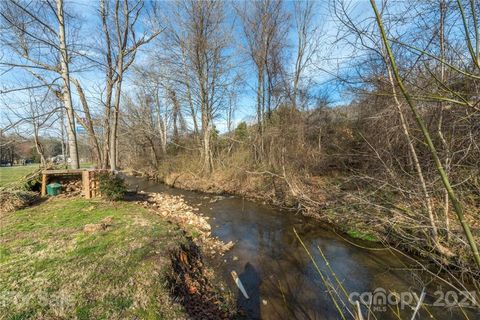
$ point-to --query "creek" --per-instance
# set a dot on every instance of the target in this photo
(281, 280)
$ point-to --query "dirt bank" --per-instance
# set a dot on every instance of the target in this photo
(191, 284)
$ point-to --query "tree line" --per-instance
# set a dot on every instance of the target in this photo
(384, 95)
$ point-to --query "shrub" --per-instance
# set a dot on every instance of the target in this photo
(111, 186)
(241, 132)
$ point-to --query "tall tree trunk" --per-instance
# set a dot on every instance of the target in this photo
(206, 152)
(88, 123)
(298, 67)
(107, 122)
(62, 133)
(109, 86)
(67, 96)
(156, 160)
(39, 146)
(189, 96)
(192, 109)
(260, 108)
(175, 113)
(161, 125)
(106, 138)
(413, 152)
(446, 149)
(116, 112)
(207, 155)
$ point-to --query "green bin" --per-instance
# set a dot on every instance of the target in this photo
(54, 189)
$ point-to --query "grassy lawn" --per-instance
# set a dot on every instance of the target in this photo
(13, 174)
(16, 173)
(51, 268)
(86, 165)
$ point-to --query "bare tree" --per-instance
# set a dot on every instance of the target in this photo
(35, 113)
(67, 95)
(119, 23)
(202, 40)
(308, 44)
(45, 52)
(263, 25)
(426, 134)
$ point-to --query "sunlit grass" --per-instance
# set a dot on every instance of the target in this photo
(51, 268)
(13, 174)
(357, 234)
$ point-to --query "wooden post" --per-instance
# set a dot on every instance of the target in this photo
(86, 184)
(44, 184)
(95, 184)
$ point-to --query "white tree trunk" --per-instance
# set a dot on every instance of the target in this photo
(162, 128)
(67, 96)
(116, 112)
(446, 206)
(207, 154)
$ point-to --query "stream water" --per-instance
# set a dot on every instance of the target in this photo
(281, 280)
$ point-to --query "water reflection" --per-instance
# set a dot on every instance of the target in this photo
(251, 281)
(279, 277)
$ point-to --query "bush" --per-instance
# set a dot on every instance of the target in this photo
(111, 186)
(241, 132)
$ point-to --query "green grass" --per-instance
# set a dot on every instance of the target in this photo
(357, 234)
(50, 268)
(15, 174)
(9, 175)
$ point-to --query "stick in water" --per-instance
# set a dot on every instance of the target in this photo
(239, 284)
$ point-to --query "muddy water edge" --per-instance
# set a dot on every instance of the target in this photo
(282, 281)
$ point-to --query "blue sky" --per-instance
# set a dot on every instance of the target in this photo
(333, 57)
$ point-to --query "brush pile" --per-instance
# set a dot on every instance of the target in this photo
(11, 200)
